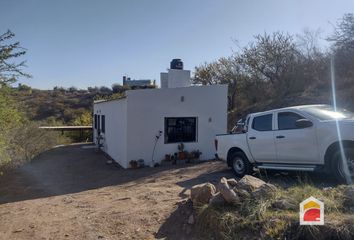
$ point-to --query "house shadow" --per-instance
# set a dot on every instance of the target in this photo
(69, 169)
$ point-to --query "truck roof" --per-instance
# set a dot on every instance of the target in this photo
(299, 107)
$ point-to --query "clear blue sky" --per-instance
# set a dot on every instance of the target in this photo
(93, 43)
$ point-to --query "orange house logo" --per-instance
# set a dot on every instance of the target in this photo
(311, 212)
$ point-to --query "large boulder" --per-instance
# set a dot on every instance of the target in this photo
(250, 183)
(232, 182)
(201, 194)
(264, 191)
(227, 193)
(243, 194)
(217, 199)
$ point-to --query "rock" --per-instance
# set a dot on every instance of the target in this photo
(201, 194)
(242, 193)
(227, 193)
(250, 183)
(264, 191)
(191, 219)
(217, 199)
(232, 182)
(284, 204)
(326, 189)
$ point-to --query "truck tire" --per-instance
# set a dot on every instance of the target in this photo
(343, 171)
(240, 164)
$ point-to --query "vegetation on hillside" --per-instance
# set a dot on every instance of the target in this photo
(279, 69)
(20, 138)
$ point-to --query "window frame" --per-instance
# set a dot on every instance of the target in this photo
(174, 142)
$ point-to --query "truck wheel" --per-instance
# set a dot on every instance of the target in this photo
(343, 170)
(240, 164)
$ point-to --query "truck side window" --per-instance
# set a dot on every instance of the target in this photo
(263, 123)
(287, 120)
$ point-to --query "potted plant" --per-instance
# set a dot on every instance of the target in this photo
(181, 152)
(196, 154)
(133, 164)
(174, 159)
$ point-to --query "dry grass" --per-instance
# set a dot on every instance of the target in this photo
(258, 218)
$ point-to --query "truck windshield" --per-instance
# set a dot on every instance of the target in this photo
(327, 112)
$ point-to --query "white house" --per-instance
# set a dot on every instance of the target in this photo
(148, 124)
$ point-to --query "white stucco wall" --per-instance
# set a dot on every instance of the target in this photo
(179, 78)
(147, 109)
(115, 136)
(164, 80)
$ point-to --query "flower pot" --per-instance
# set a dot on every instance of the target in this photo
(181, 155)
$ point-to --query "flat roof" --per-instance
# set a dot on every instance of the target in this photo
(154, 89)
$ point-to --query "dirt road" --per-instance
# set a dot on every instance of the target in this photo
(71, 193)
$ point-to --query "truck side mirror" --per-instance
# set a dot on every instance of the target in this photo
(303, 123)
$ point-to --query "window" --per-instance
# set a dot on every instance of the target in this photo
(287, 120)
(103, 123)
(98, 123)
(95, 121)
(180, 130)
(263, 123)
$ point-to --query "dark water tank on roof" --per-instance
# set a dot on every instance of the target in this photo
(176, 64)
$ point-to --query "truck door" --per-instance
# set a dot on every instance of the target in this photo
(295, 145)
(261, 138)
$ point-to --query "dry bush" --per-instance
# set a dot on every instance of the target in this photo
(23, 143)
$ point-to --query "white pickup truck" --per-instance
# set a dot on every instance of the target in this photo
(301, 138)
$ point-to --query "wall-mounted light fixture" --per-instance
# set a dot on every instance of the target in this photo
(182, 98)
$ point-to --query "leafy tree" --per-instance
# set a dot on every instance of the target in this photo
(84, 119)
(10, 70)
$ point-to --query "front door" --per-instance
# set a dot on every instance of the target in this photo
(295, 145)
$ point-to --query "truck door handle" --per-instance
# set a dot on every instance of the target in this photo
(280, 137)
(252, 138)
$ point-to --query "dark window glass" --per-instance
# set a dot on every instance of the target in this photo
(263, 123)
(287, 120)
(103, 128)
(98, 123)
(180, 130)
(95, 121)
